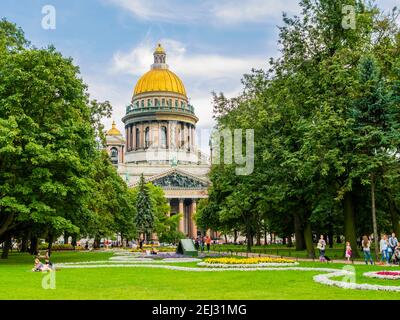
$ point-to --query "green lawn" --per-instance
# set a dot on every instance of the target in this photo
(18, 282)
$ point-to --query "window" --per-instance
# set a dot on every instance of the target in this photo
(176, 103)
(137, 138)
(163, 139)
(147, 137)
(114, 155)
(163, 102)
(170, 103)
(142, 103)
(149, 102)
(156, 102)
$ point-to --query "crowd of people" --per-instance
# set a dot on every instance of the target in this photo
(389, 248)
(201, 243)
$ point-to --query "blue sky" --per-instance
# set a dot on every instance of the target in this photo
(210, 43)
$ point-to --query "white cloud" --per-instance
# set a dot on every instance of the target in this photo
(209, 11)
(239, 11)
(167, 11)
(218, 12)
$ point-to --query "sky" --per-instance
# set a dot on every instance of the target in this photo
(210, 44)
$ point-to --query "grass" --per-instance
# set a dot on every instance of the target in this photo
(18, 282)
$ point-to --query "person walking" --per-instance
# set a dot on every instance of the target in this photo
(392, 245)
(348, 251)
(383, 247)
(197, 243)
(208, 243)
(366, 246)
(321, 246)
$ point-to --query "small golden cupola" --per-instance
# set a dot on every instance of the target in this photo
(114, 131)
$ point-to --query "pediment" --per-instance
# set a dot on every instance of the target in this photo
(178, 180)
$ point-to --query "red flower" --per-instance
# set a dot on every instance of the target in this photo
(389, 273)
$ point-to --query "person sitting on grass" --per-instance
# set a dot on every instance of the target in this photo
(48, 265)
(38, 266)
(154, 251)
(396, 255)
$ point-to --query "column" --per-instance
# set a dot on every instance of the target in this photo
(182, 213)
(177, 135)
(142, 133)
(168, 135)
(185, 136)
(194, 136)
(131, 137)
(127, 138)
(194, 226)
(134, 137)
(169, 207)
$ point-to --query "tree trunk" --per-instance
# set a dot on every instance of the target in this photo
(50, 245)
(338, 239)
(373, 211)
(6, 248)
(299, 236)
(284, 240)
(73, 241)
(249, 237)
(265, 237)
(34, 246)
(258, 238)
(25, 243)
(290, 242)
(96, 243)
(349, 223)
(235, 236)
(308, 240)
(66, 236)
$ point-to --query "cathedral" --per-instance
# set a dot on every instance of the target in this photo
(160, 142)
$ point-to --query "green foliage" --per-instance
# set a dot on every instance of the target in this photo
(325, 116)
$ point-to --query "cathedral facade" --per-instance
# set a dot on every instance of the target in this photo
(159, 142)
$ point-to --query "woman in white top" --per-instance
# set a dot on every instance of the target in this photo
(383, 246)
(321, 246)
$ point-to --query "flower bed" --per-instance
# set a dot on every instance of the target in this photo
(389, 275)
(231, 262)
(255, 260)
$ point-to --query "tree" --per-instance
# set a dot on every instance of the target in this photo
(377, 139)
(49, 156)
(144, 210)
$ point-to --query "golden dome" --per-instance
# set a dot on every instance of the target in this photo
(114, 131)
(160, 80)
(159, 49)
